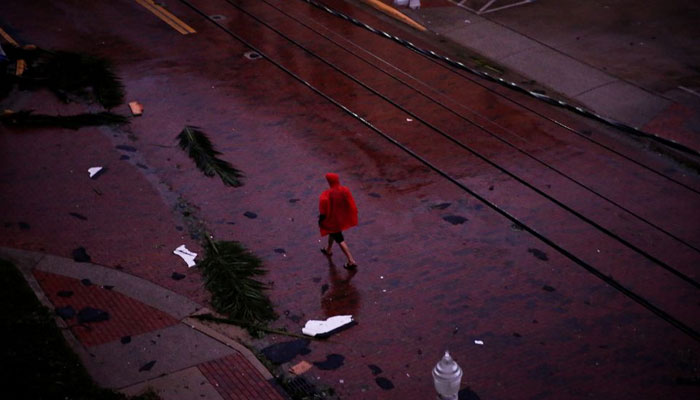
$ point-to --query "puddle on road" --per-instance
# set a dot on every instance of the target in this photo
(341, 297)
(177, 276)
(455, 219)
(384, 383)
(375, 369)
(539, 254)
(440, 206)
(81, 255)
(332, 362)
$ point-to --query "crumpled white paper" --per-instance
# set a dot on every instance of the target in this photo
(186, 255)
(94, 171)
(316, 327)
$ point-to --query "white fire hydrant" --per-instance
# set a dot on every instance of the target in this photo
(447, 376)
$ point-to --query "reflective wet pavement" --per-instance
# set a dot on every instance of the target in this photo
(440, 267)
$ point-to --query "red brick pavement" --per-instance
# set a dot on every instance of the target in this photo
(127, 316)
(235, 379)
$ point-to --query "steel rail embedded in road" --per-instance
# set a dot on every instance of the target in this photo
(610, 281)
(474, 123)
(482, 157)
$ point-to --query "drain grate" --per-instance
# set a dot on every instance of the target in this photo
(299, 387)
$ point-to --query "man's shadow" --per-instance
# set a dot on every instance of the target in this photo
(341, 298)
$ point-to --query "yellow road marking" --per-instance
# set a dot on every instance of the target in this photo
(167, 17)
(8, 38)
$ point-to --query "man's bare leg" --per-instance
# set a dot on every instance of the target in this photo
(346, 250)
(330, 244)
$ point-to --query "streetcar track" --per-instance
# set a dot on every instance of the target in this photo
(474, 152)
(610, 281)
(457, 68)
(484, 128)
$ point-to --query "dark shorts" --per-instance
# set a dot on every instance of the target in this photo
(337, 237)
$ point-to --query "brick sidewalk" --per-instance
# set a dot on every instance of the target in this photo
(140, 346)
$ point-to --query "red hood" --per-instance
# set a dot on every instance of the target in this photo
(333, 179)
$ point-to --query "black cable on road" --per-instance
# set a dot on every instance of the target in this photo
(512, 85)
(610, 281)
(482, 127)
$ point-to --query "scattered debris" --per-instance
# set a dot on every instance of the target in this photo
(332, 361)
(186, 255)
(20, 67)
(125, 339)
(280, 251)
(89, 314)
(136, 108)
(93, 171)
(252, 55)
(375, 195)
(300, 368)
(65, 293)
(200, 149)
(86, 282)
(81, 255)
(548, 288)
(281, 353)
(79, 216)
(125, 147)
(250, 214)
(23, 226)
(328, 327)
(409, 120)
(107, 287)
(479, 342)
(230, 272)
(27, 119)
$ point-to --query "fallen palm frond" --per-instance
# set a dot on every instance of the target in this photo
(229, 272)
(200, 149)
(248, 325)
(70, 75)
(27, 119)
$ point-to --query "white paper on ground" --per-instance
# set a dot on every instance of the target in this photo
(316, 327)
(479, 342)
(94, 171)
(186, 255)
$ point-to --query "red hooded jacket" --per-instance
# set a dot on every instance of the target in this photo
(337, 207)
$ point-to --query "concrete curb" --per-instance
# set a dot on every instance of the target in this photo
(147, 293)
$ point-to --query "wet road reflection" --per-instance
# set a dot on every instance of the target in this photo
(342, 297)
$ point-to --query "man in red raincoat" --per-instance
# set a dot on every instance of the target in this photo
(337, 212)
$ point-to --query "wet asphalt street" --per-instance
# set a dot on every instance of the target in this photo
(570, 251)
